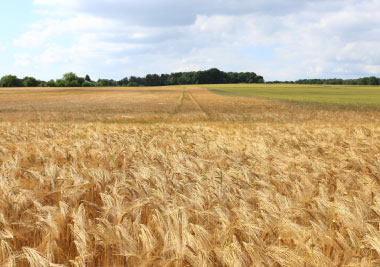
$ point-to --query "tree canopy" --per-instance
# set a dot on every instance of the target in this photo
(71, 79)
(10, 81)
(31, 82)
(211, 76)
(360, 81)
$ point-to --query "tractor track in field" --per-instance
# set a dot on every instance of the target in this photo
(188, 104)
(180, 102)
(198, 105)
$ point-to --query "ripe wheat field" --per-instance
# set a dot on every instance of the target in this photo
(177, 176)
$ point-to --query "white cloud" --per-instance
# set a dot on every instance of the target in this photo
(57, 3)
(48, 30)
(278, 39)
(23, 60)
(372, 69)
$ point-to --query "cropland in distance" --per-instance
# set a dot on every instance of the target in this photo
(183, 176)
(354, 95)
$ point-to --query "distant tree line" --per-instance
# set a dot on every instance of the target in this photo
(211, 76)
(361, 81)
(280, 82)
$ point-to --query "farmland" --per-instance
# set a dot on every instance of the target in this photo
(182, 176)
(330, 94)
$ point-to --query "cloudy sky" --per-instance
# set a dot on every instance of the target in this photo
(279, 39)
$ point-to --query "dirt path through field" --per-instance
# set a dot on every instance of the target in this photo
(187, 105)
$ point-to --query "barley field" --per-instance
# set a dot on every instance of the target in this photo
(181, 176)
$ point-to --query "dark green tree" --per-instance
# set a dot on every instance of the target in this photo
(152, 80)
(373, 81)
(123, 82)
(133, 84)
(70, 76)
(62, 83)
(259, 79)
(70, 79)
(31, 82)
(10, 81)
(74, 83)
(88, 84)
(51, 83)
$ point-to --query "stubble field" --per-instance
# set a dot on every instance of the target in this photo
(180, 176)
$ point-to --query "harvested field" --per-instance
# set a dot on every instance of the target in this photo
(99, 178)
